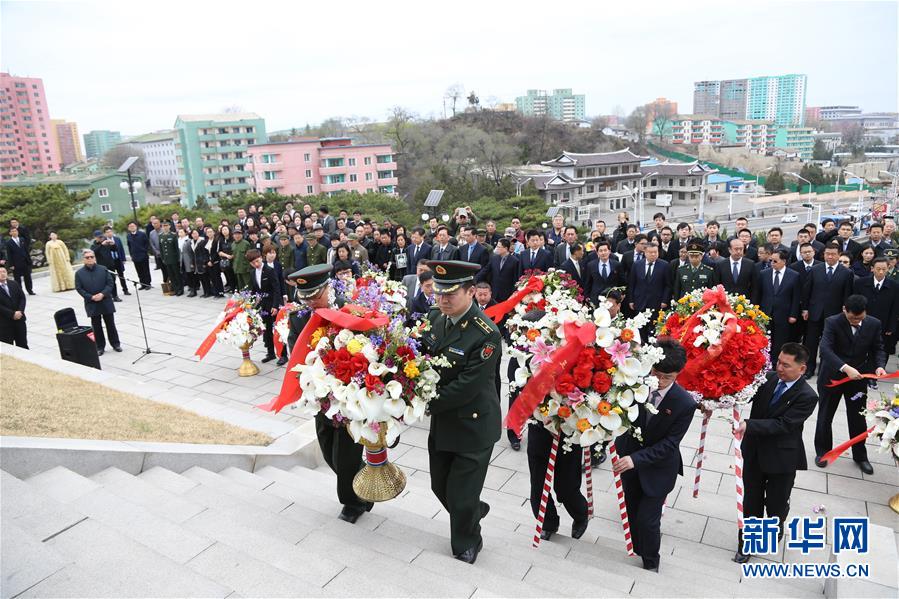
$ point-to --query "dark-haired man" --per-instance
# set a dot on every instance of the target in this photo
(826, 288)
(772, 439)
(603, 273)
(777, 294)
(737, 273)
(882, 294)
(847, 244)
(649, 465)
(503, 271)
(417, 250)
(139, 248)
(535, 257)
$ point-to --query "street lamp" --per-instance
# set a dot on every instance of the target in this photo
(130, 185)
(633, 195)
(757, 179)
(893, 189)
(809, 193)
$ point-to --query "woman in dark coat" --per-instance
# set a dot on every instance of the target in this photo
(201, 260)
(213, 263)
(226, 258)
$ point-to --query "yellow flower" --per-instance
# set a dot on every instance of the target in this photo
(896, 401)
(583, 424)
(354, 346)
(411, 370)
(316, 337)
(682, 300)
(618, 410)
(740, 309)
(751, 314)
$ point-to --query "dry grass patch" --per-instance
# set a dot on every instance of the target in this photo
(37, 402)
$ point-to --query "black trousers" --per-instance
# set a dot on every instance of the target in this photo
(23, 273)
(566, 481)
(645, 516)
(457, 480)
(766, 493)
(143, 271)
(15, 332)
(343, 456)
(828, 402)
(513, 395)
(204, 282)
(172, 274)
(268, 337)
(120, 270)
(215, 278)
(813, 331)
(781, 332)
(97, 323)
(159, 264)
(193, 280)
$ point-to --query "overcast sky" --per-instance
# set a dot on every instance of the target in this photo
(133, 66)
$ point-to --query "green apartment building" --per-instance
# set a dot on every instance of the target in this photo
(561, 104)
(778, 98)
(97, 143)
(211, 153)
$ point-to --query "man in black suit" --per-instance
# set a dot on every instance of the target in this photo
(825, 289)
(442, 248)
(803, 267)
(424, 298)
(649, 466)
(828, 231)
(750, 247)
(503, 271)
(777, 294)
(18, 256)
(775, 239)
(802, 237)
(876, 240)
(535, 257)
(575, 265)
(668, 250)
(627, 244)
(882, 294)
(850, 346)
(736, 273)
(713, 240)
(682, 238)
(264, 282)
(417, 250)
(13, 329)
(602, 273)
(771, 439)
(847, 244)
(634, 256)
(472, 251)
(649, 286)
(562, 251)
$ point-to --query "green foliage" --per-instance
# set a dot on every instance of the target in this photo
(46, 208)
(820, 152)
(813, 173)
(774, 182)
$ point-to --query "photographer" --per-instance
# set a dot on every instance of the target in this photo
(462, 217)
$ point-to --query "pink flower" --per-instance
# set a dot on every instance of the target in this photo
(576, 396)
(541, 352)
(619, 352)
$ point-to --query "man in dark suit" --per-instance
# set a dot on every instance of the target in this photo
(634, 256)
(503, 271)
(18, 257)
(94, 283)
(562, 251)
(649, 286)
(750, 247)
(771, 439)
(139, 248)
(777, 294)
(736, 273)
(682, 238)
(876, 240)
(574, 265)
(826, 288)
(535, 257)
(417, 250)
(424, 297)
(802, 237)
(264, 282)
(649, 466)
(668, 249)
(442, 248)
(13, 329)
(713, 240)
(851, 345)
(472, 251)
(627, 244)
(882, 294)
(803, 268)
(847, 244)
(412, 284)
(602, 273)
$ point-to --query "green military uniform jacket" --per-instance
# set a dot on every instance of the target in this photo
(239, 250)
(316, 255)
(285, 257)
(893, 274)
(689, 279)
(168, 249)
(465, 415)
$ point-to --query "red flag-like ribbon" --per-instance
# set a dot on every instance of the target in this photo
(499, 311)
(875, 377)
(577, 336)
(232, 309)
(350, 317)
(283, 312)
(832, 455)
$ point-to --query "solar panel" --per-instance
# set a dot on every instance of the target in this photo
(553, 210)
(434, 197)
(128, 164)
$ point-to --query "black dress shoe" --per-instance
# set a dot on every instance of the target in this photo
(100, 352)
(865, 466)
(546, 534)
(281, 361)
(579, 528)
(192, 293)
(470, 555)
(351, 514)
(117, 348)
(144, 287)
(116, 299)
(485, 509)
(127, 292)
(177, 293)
(740, 557)
(31, 293)
(516, 444)
(819, 462)
(268, 358)
(650, 566)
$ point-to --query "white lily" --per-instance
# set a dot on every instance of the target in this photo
(641, 393)
(395, 407)
(611, 421)
(602, 318)
(605, 337)
(625, 398)
(393, 430)
(633, 412)
(372, 406)
(589, 437)
(379, 368)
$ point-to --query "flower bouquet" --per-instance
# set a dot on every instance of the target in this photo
(882, 417)
(376, 290)
(239, 324)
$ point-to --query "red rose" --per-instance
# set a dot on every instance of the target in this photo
(602, 382)
(373, 383)
(602, 360)
(583, 376)
(359, 363)
(565, 384)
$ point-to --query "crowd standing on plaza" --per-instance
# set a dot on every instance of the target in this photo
(826, 293)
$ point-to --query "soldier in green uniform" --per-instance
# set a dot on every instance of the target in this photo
(694, 275)
(891, 254)
(343, 455)
(315, 252)
(465, 415)
(241, 266)
(170, 256)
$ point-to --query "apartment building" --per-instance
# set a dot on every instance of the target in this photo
(27, 136)
(68, 142)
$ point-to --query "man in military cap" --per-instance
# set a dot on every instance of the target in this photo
(343, 455)
(315, 252)
(465, 416)
(694, 275)
(170, 255)
(240, 265)
(891, 254)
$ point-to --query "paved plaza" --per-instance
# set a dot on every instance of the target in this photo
(178, 324)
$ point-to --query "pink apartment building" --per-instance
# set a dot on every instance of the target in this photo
(310, 166)
(27, 137)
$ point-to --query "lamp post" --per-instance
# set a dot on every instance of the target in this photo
(131, 185)
(633, 195)
(893, 189)
(809, 192)
(757, 179)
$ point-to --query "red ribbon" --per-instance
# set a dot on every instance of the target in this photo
(875, 377)
(499, 311)
(713, 298)
(343, 318)
(283, 312)
(831, 456)
(231, 311)
(562, 361)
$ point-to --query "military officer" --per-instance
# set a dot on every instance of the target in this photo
(239, 248)
(343, 455)
(694, 275)
(465, 416)
(170, 256)
(891, 254)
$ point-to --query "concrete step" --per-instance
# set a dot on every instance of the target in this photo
(32, 511)
(157, 500)
(220, 483)
(167, 480)
(26, 560)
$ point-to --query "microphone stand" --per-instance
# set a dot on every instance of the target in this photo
(147, 351)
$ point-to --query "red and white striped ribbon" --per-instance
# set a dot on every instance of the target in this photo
(738, 469)
(547, 486)
(588, 472)
(706, 416)
(622, 504)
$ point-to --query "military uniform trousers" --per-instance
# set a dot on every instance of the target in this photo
(343, 456)
(457, 480)
(243, 280)
(566, 480)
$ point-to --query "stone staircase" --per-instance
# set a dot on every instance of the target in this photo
(274, 533)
